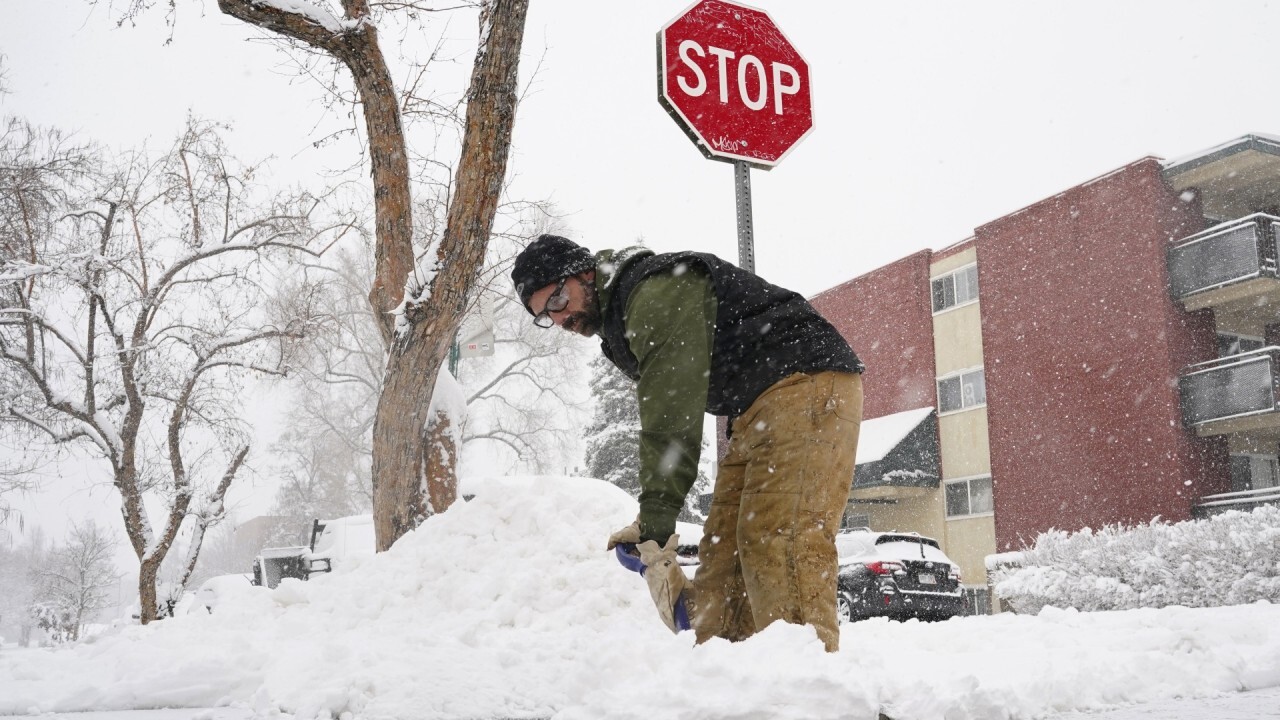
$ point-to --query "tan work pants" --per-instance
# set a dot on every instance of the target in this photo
(768, 552)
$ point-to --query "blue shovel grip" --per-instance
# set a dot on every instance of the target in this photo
(682, 614)
(628, 557)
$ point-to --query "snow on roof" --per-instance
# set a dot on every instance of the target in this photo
(880, 435)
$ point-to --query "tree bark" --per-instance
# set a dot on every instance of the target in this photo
(392, 200)
(148, 608)
(419, 351)
(441, 464)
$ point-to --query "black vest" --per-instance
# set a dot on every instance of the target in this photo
(763, 332)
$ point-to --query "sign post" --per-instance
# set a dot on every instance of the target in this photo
(742, 199)
(739, 89)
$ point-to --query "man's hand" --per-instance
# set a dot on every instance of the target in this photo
(629, 534)
(663, 575)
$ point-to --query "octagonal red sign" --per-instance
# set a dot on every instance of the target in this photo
(734, 83)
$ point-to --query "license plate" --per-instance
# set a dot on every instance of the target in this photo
(927, 579)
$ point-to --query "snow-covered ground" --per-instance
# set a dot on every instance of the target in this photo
(509, 607)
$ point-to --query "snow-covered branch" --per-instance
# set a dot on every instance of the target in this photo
(19, 271)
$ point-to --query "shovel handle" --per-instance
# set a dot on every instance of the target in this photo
(629, 557)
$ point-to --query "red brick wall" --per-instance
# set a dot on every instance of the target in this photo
(886, 316)
(1083, 347)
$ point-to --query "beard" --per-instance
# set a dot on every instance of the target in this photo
(586, 322)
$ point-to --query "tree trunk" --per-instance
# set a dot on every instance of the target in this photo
(148, 609)
(418, 352)
(392, 200)
(441, 464)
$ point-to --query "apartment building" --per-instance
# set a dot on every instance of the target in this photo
(1106, 355)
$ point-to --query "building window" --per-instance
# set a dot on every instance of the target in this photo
(855, 520)
(969, 496)
(1232, 344)
(955, 288)
(962, 391)
(1254, 472)
(977, 600)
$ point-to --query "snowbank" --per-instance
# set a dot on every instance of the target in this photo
(1228, 559)
(508, 607)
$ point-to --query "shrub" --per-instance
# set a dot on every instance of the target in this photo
(1228, 559)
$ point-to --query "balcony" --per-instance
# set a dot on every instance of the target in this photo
(1232, 394)
(1230, 267)
(1211, 505)
(1231, 180)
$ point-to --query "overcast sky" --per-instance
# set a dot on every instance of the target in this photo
(932, 117)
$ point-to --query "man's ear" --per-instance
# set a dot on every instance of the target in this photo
(588, 276)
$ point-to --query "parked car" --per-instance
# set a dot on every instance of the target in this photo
(896, 575)
(219, 589)
(332, 542)
(687, 549)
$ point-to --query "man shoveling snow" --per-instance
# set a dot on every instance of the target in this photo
(697, 333)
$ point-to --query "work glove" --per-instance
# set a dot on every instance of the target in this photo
(663, 575)
(627, 535)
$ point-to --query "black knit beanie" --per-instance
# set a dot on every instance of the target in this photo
(545, 261)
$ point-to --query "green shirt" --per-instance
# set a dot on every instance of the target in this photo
(670, 321)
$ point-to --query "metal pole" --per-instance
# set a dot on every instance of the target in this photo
(746, 233)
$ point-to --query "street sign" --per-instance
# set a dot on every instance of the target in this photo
(734, 83)
(475, 334)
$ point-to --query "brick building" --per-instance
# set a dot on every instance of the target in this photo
(1106, 355)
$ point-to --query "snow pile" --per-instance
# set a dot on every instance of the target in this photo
(1228, 559)
(507, 606)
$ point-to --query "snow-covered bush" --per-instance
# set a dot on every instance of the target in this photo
(1228, 559)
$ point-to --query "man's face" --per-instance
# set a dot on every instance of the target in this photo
(581, 314)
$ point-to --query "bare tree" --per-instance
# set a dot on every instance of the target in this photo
(522, 400)
(529, 398)
(222, 553)
(38, 167)
(325, 457)
(323, 477)
(77, 579)
(419, 309)
(18, 591)
(133, 321)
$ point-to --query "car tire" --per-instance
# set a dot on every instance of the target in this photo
(844, 607)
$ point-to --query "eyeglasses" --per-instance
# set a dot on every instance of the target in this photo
(558, 301)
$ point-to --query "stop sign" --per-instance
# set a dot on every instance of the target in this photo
(734, 83)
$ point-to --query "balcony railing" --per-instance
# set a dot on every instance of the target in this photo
(1232, 387)
(1224, 255)
(1226, 388)
(1241, 500)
